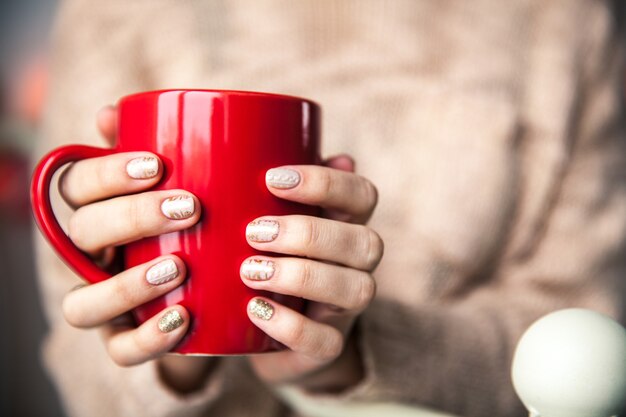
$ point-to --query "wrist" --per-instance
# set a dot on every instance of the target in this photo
(342, 374)
(185, 374)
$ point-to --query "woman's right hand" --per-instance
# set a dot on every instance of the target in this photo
(114, 207)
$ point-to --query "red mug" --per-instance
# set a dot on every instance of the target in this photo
(218, 146)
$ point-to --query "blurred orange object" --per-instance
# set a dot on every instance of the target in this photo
(29, 91)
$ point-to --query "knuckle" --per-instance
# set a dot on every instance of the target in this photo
(71, 310)
(132, 213)
(366, 294)
(324, 184)
(123, 292)
(296, 335)
(104, 177)
(371, 194)
(305, 277)
(310, 233)
(146, 346)
(116, 355)
(63, 185)
(332, 346)
(76, 229)
(374, 249)
(123, 362)
(136, 210)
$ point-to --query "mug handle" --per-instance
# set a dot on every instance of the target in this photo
(44, 216)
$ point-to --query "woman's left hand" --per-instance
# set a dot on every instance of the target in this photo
(331, 266)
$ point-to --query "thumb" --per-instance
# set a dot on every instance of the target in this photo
(106, 120)
(341, 162)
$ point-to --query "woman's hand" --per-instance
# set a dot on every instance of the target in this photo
(113, 208)
(336, 277)
(331, 265)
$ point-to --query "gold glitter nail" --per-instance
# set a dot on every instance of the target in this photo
(261, 309)
(170, 321)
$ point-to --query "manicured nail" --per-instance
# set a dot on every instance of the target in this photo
(178, 208)
(143, 167)
(262, 230)
(283, 178)
(162, 272)
(261, 309)
(257, 269)
(170, 321)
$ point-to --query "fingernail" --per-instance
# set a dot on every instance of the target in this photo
(178, 208)
(170, 321)
(262, 230)
(283, 178)
(261, 309)
(162, 272)
(143, 167)
(257, 269)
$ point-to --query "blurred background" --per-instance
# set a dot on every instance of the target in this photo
(25, 389)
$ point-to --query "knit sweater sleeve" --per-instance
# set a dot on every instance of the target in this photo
(561, 243)
(94, 62)
(564, 245)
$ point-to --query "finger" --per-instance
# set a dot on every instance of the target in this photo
(346, 288)
(106, 120)
(317, 341)
(95, 179)
(343, 162)
(125, 219)
(131, 346)
(328, 188)
(352, 245)
(96, 304)
(340, 319)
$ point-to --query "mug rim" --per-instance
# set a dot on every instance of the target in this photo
(218, 92)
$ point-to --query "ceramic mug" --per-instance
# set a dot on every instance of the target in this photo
(218, 146)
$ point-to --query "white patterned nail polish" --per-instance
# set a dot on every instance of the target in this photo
(261, 309)
(283, 178)
(262, 230)
(143, 167)
(257, 269)
(162, 272)
(178, 208)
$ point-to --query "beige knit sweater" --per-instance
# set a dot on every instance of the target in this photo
(492, 128)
